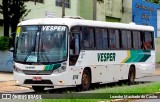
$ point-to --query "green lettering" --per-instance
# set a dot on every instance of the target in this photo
(114, 56)
(111, 57)
(99, 57)
(105, 57)
(102, 57)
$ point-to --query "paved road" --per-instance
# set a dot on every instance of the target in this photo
(149, 78)
(5, 76)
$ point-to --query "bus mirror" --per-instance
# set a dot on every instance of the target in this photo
(12, 38)
(11, 49)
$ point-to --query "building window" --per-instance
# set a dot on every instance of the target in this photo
(37, 1)
(59, 3)
(112, 19)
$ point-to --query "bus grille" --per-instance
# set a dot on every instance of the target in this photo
(29, 81)
(37, 72)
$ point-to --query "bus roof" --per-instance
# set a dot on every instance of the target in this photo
(73, 22)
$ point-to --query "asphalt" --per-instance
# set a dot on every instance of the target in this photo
(6, 76)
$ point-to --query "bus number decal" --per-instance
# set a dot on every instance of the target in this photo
(103, 57)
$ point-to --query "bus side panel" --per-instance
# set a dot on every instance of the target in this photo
(109, 73)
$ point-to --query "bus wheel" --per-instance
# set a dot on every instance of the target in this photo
(85, 81)
(38, 89)
(131, 76)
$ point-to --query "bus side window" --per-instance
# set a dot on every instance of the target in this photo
(105, 39)
(74, 48)
(88, 38)
(114, 39)
(148, 40)
(137, 40)
(72, 44)
(99, 39)
(126, 39)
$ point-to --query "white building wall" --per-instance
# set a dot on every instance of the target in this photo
(49, 7)
(127, 11)
(121, 9)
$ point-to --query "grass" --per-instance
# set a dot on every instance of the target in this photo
(142, 88)
(103, 94)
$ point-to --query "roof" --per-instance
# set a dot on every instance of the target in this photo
(72, 22)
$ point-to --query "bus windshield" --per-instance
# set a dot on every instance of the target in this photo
(41, 43)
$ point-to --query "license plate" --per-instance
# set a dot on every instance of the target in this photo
(37, 78)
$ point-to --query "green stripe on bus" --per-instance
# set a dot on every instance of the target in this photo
(138, 56)
(133, 54)
(147, 54)
(52, 67)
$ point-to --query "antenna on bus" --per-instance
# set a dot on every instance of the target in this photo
(73, 17)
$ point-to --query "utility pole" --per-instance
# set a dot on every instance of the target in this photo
(94, 9)
(63, 8)
(35, 2)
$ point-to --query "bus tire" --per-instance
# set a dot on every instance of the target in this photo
(85, 81)
(38, 89)
(131, 75)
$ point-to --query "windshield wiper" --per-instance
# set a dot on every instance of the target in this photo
(33, 47)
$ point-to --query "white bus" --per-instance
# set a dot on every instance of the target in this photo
(65, 52)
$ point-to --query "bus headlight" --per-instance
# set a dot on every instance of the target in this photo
(16, 69)
(60, 70)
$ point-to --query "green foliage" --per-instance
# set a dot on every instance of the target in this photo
(4, 43)
(13, 11)
(100, 1)
(154, 1)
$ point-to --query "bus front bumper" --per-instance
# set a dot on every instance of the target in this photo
(61, 79)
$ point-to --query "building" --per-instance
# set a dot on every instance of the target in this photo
(51, 8)
(145, 13)
(115, 11)
(46, 8)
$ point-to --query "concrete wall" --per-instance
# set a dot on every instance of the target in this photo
(39, 10)
(111, 8)
(101, 11)
(118, 9)
(6, 61)
(85, 9)
(126, 11)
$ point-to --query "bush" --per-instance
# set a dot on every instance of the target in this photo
(4, 43)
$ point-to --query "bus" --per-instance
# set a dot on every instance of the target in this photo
(66, 52)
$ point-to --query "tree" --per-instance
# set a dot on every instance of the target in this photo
(13, 11)
(4, 11)
(17, 11)
(154, 1)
